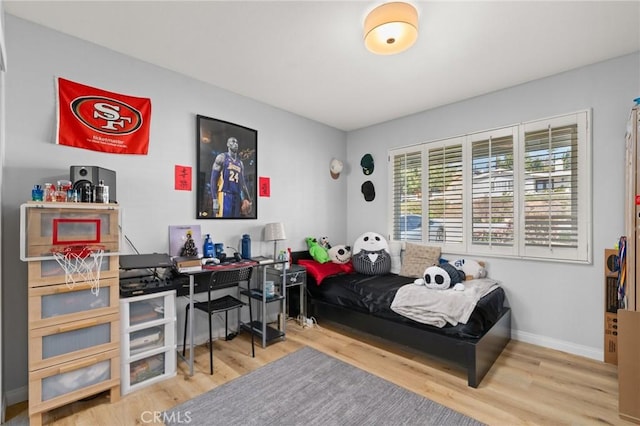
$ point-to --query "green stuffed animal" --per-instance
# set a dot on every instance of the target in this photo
(316, 251)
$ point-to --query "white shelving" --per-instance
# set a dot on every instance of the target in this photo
(148, 339)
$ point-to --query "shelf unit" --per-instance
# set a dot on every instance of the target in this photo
(148, 339)
(295, 276)
(267, 332)
(73, 328)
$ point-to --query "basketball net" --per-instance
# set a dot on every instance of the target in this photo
(80, 264)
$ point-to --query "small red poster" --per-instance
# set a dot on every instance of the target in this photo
(183, 178)
(265, 186)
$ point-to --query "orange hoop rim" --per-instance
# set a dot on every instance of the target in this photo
(81, 251)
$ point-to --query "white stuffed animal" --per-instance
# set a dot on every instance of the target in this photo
(470, 267)
(442, 277)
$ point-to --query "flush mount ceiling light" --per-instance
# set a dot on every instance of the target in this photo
(391, 28)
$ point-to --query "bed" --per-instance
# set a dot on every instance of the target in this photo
(362, 302)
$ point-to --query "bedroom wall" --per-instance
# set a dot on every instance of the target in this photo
(293, 151)
(556, 305)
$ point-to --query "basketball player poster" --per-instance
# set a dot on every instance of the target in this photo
(227, 170)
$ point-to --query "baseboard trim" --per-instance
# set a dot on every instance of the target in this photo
(16, 395)
(560, 345)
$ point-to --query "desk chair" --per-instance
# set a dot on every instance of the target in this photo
(222, 279)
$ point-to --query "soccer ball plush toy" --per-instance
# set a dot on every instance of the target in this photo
(371, 254)
(340, 254)
(442, 277)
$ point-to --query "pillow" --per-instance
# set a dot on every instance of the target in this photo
(395, 247)
(471, 268)
(417, 258)
(320, 271)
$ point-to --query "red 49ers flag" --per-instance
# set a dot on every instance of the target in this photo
(104, 121)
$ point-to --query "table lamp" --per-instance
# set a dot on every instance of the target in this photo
(274, 232)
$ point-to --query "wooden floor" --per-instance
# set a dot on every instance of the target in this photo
(527, 385)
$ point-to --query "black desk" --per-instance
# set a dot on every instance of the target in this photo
(202, 278)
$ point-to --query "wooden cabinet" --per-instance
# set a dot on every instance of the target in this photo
(148, 349)
(73, 322)
(629, 365)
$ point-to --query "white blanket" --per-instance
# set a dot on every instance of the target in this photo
(439, 307)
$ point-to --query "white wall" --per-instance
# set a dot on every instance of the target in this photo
(554, 304)
(294, 152)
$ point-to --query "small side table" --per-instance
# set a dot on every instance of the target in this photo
(296, 275)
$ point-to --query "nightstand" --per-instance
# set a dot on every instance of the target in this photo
(296, 276)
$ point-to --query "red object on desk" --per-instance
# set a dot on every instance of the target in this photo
(232, 265)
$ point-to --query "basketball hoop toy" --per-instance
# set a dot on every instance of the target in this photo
(80, 263)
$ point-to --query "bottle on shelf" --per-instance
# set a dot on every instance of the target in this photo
(101, 193)
(49, 192)
(246, 246)
(61, 194)
(207, 248)
(37, 193)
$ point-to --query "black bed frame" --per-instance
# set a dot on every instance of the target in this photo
(476, 356)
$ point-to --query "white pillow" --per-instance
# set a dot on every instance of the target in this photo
(395, 247)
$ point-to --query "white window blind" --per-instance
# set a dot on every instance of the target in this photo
(407, 195)
(556, 191)
(492, 183)
(519, 191)
(445, 194)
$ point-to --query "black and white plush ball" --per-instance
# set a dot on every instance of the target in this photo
(442, 277)
(370, 254)
(340, 254)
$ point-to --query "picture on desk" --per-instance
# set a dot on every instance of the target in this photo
(227, 167)
(185, 241)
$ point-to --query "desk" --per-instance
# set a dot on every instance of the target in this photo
(203, 275)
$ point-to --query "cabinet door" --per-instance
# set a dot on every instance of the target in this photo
(47, 225)
(147, 310)
(146, 371)
(64, 342)
(61, 384)
(49, 271)
(56, 304)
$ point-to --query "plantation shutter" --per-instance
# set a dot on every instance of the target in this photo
(445, 195)
(492, 188)
(551, 187)
(407, 195)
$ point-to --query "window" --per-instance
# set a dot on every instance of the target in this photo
(518, 191)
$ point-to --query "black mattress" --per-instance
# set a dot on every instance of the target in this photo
(373, 294)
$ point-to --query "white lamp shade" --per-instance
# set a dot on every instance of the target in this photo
(391, 28)
(274, 232)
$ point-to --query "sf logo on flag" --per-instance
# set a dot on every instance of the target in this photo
(106, 115)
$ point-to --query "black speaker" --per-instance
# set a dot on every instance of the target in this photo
(80, 175)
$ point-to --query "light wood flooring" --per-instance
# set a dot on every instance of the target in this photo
(527, 385)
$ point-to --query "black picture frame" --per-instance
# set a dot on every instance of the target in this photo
(214, 142)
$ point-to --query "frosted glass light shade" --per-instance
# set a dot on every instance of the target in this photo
(391, 28)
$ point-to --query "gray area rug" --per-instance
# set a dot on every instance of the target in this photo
(308, 387)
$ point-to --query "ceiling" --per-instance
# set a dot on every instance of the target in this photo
(307, 57)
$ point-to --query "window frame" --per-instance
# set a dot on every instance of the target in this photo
(583, 170)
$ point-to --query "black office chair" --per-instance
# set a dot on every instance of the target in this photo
(223, 279)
